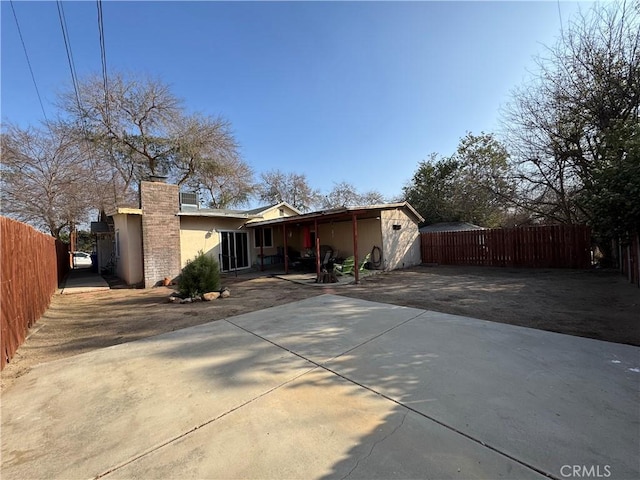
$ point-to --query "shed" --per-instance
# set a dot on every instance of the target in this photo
(450, 227)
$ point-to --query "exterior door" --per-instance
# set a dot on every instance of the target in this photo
(234, 250)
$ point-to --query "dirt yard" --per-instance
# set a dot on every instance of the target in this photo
(596, 304)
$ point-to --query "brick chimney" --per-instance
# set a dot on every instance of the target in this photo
(159, 202)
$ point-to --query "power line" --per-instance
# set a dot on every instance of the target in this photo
(103, 56)
(105, 81)
(33, 77)
(560, 17)
(67, 46)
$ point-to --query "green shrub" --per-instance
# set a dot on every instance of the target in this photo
(200, 275)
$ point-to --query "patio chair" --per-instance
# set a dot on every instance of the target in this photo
(349, 264)
(364, 261)
(345, 267)
(325, 260)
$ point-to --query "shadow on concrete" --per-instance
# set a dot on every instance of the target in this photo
(333, 387)
(82, 280)
(465, 398)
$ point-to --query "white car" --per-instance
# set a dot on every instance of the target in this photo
(81, 260)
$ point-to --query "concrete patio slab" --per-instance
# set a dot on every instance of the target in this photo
(330, 387)
(322, 327)
(82, 280)
(545, 398)
(323, 426)
(307, 278)
(78, 417)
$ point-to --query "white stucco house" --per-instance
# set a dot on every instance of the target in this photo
(168, 229)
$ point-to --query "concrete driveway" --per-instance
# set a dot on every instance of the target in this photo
(331, 387)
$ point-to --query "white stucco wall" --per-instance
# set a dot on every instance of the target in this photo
(401, 248)
(203, 234)
(339, 235)
(128, 247)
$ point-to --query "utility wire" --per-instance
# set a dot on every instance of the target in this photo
(105, 81)
(103, 57)
(560, 17)
(67, 46)
(33, 77)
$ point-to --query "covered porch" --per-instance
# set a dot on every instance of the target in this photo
(384, 236)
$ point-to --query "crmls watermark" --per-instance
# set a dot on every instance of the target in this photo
(585, 471)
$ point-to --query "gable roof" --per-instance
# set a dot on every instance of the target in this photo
(254, 213)
(263, 210)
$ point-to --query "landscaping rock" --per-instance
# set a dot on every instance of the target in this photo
(186, 300)
(173, 299)
(225, 292)
(207, 297)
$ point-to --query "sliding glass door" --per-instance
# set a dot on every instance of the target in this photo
(234, 250)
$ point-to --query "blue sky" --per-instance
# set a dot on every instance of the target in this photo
(340, 91)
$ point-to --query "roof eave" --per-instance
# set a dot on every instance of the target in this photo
(200, 213)
(124, 211)
(341, 211)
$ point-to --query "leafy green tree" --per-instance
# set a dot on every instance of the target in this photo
(430, 190)
(614, 197)
(472, 185)
(483, 187)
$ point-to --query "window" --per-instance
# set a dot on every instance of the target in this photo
(268, 237)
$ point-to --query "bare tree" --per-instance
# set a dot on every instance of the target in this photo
(565, 126)
(139, 128)
(206, 159)
(292, 188)
(344, 194)
(225, 183)
(45, 182)
(128, 124)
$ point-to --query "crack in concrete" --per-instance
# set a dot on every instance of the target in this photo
(375, 444)
(398, 402)
(323, 367)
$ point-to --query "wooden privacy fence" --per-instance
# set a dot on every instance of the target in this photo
(556, 246)
(32, 264)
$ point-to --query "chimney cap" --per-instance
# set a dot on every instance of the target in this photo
(158, 178)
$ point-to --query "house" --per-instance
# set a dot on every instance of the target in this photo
(389, 232)
(169, 228)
